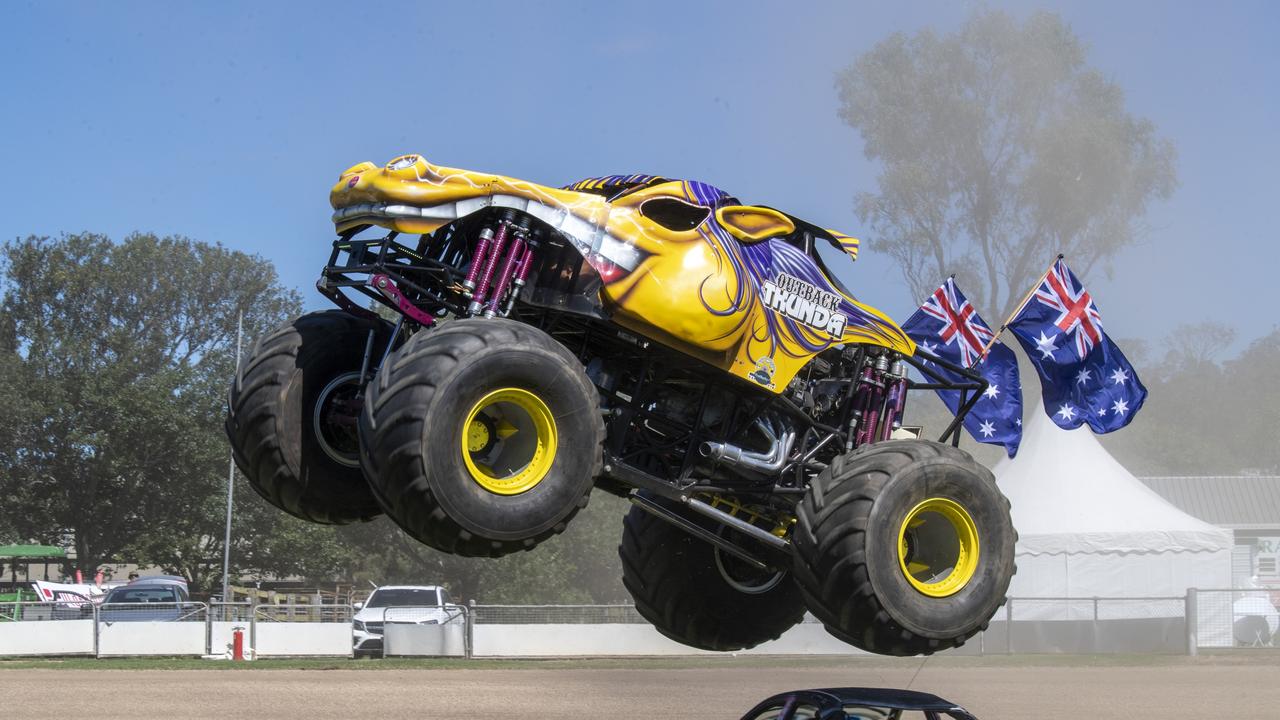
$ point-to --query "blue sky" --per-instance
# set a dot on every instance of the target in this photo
(228, 122)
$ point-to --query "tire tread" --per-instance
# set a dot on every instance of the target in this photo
(392, 428)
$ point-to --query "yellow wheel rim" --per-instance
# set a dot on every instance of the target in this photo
(938, 547)
(508, 441)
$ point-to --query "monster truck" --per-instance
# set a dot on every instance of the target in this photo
(646, 337)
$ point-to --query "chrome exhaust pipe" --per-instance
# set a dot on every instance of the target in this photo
(771, 461)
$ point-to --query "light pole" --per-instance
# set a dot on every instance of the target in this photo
(231, 478)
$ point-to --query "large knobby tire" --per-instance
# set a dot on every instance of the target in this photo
(277, 440)
(904, 547)
(686, 587)
(482, 438)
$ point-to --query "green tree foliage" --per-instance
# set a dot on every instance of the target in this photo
(580, 566)
(1206, 415)
(114, 359)
(999, 148)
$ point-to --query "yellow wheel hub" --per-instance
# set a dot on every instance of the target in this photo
(477, 435)
(938, 547)
(509, 441)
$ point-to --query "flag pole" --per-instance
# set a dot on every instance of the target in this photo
(1025, 299)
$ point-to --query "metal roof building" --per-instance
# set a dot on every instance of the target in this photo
(1234, 502)
(1248, 505)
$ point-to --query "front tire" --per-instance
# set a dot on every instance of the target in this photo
(696, 594)
(482, 437)
(904, 547)
(291, 415)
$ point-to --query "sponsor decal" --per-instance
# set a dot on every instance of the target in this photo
(764, 371)
(805, 303)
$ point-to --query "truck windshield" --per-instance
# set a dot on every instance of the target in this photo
(402, 597)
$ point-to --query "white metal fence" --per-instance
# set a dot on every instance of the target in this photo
(557, 614)
(292, 630)
(47, 628)
(172, 629)
(432, 631)
(1204, 619)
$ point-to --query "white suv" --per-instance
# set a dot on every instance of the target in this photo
(422, 604)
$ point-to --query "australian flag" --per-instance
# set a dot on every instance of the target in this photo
(948, 327)
(1086, 379)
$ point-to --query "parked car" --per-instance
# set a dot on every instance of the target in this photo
(177, 580)
(151, 599)
(422, 604)
(856, 704)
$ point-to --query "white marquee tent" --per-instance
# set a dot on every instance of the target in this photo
(1089, 528)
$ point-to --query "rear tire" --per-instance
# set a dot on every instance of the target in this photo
(904, 547)
(301, 463)
(685, 587)
(482, 437)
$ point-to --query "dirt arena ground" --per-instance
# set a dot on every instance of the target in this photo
(1240, 686)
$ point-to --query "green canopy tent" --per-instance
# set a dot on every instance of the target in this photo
(27, 555)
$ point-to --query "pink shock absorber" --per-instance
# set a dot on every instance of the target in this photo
(875, 408)
(522, 274)
(504, 278)
(867, 432)
(526, 264)
(901, 407)
(478, 259)
(862, 398)
(490, 265)
(893, 409)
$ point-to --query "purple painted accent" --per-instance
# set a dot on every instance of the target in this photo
(504, 277)
(478, 259)
(387, 287)
(491, 263)
(762, 261)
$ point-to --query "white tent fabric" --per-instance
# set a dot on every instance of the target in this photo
(1089, 528)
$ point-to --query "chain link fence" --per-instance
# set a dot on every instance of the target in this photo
(1092, 609)
(35, 611)
(327, 613)
(557, 614)
(425, 615)
(1245, 619)
(153, 612)
(1140, 608)
(233, 612)
(301, 630)
(1089, 626)
(1208, 619)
